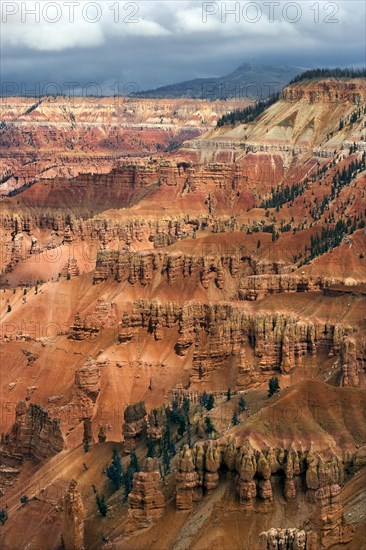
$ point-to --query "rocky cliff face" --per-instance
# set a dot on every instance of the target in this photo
(144, 267)
(329, 517)
(54, 137)
(305, 121)
(260, 343)
(83, 403)
(104, 315)
(213, 270)
(289, 539)
(248, 278)
(255, 470)
(134, 424)
(146, 501)
(35, 434)
(73, 519)
(327, 91)
(353, 361)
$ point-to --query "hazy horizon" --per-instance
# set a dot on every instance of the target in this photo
(152, 44)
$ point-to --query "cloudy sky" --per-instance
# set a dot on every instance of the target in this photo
(144, 44)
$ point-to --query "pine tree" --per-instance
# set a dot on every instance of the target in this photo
(3, 516)
(186, 405)
(150, 448)
(228, 395)
(128, 480)
(209, 427)
(24, 500)
(242, 404)
(134, 463)
(210, 402)
(203, 399)
(172, 449)
(174, 413)
(182, 426)
(102, 507)
(166, 461)
(273, 386)
(114, 471)
(235, 419)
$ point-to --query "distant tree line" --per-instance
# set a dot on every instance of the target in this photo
(330, 237)
(340, 179)
(282, 195)
(248, 114)
(354, 116)
(328, 73)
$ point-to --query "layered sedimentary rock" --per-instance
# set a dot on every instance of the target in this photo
(329, 517)
(71, 268)
(326, 91)
(187, 480)
(144, 266)
(156, 423)
(287, 539)
(51, 234)
(82, 406)
(200, 467)
(35, 434)
(254, 287)
(353, 361)
(217, 332)
(104, 315)
(146, 501)
(73, 519)
(134, 424)
(49, 137)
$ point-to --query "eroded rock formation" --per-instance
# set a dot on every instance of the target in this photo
(329, 517)
(353, 361)
(199, 468)
(35, 434)
(146, 501)
(134, 424)
(288, 539)
(218, 332)
(73, 519)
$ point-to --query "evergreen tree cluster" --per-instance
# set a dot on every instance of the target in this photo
(273, 386)
(3, 516)
(207, 401)
(115, 472)
(209, 426)
(282, 195)
(168, 448)
(330, 237)
(179, 415)
(102, 506)
(353, 148)
(358, 113)
(248, 114)
(242, 404)
(329, 73)
(340, 179)
(132, 468)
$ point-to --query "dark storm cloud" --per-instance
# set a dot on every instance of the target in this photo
(173, 41)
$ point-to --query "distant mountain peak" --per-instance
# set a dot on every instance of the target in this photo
(248, 81)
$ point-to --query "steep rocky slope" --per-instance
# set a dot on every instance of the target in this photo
(127, 297)
(46, 137)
